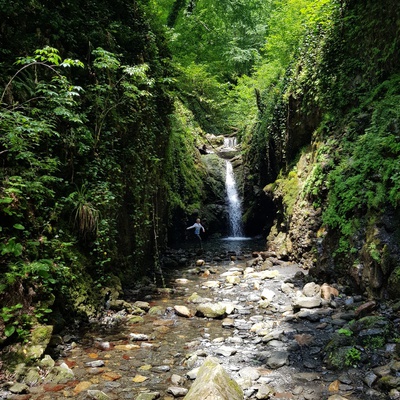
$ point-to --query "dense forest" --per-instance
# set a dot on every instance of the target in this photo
(104, 105)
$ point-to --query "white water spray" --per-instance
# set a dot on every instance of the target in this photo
(234, 206)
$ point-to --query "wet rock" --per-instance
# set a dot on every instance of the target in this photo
(183, 311)
(197, 299)
(211, 310)
(214, 382)
(135, 319)
(156, 310)
(143, 305)
(277, 359)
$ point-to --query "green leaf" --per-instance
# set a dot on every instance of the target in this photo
(19, 226)
(9, 330)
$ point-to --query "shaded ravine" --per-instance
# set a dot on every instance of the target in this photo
(272, 350)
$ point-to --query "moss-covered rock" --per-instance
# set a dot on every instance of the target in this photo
(213, 382)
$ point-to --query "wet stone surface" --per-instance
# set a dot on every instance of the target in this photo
(249, 312)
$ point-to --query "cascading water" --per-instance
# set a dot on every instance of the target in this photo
(234, 207)
(233, 201)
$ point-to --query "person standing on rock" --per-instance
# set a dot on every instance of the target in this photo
(197, 228)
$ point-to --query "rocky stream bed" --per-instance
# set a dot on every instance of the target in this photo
(275, 332)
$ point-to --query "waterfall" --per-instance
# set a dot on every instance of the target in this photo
(229, 142)
(234, 206)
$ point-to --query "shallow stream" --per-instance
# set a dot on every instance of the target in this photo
(154, 356)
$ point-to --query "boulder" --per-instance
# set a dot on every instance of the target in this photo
(213, 382)
(211, 310)
(311, 289)
(306, 302)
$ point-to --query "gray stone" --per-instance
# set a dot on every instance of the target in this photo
(264, 392)
(307, 302)
(177, 391)
(311, 289)
(249, 372)
(95, 363)
(192, 374)
(226, 351)
(277, 359)
(213, 382)
(177, 380)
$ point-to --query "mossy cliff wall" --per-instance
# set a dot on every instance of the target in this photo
(331, 161)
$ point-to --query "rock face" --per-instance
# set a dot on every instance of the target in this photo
(213, 382)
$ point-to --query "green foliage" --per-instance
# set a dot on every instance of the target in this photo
(374, 342)
(352, 357)
(289, 187)
(82, 146)
(227, 36)
(346, 332)
(367, 178)
(184, 187)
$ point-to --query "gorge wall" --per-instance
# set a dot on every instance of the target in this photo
(329, 166)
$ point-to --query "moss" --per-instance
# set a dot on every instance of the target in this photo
(394, 283)
(41, 334)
